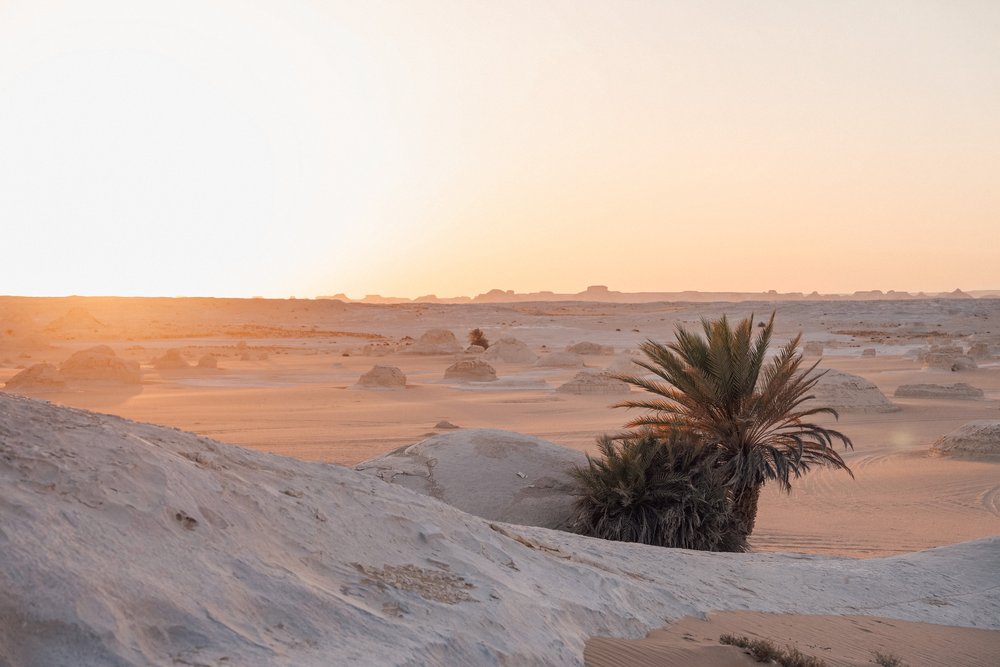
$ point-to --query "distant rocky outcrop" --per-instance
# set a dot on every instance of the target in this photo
(208, 361)
(383, 377)
(171, 360)
(498, 475)
(976, 439)
(587, 347)
(436, 341)
(75, 321)
(946, 361)
(475, 349)
(624, 363)
(102, 364)
(813, 348)
(845, 392)
(39, 377)
(589, 382)
(980, 351)
(471, 370)
(511, 351)
(959, 390)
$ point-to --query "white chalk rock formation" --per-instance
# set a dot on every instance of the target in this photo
(171, 360)
(208, 361)
(39, 377)
(813, 348)
(959, 391)
(624, 363)
(511, 351)
(470, 370)
(475, 349)
(980, 351)
(436, 341)
(383, 377)
(946, 361)
(563, 359)
(102, 364)
(850, 393)
(498, 475)
(587, 347)
(977, 439)
(589, 382)
(132, 544)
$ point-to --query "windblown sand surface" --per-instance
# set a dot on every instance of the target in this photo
(840, 641)
(284, 385)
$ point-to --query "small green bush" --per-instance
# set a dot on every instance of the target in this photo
(660, 489)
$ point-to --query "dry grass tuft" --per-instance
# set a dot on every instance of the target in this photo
(763, 650)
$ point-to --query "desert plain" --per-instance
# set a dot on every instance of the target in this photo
(284, 377)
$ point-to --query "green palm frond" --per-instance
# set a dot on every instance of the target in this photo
(662, 489)
(753, 410)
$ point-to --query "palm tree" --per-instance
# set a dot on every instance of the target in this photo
(722, 387)
(661, 490)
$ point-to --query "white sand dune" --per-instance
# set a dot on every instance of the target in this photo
(132, 544)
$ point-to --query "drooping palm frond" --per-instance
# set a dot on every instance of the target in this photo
(661, 489)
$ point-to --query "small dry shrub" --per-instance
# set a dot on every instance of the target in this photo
(763, 650)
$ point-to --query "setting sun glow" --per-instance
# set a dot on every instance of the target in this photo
(243, 148)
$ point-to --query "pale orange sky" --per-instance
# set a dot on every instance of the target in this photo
(407, 148)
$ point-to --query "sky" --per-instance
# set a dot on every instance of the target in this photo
(241, 148)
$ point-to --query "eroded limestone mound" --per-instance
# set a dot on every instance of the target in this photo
(958, 391)
(208, 361)
(511, 351)
(171, 360)
(850, 393)
(947, 361)
(980, 351)
(977, 439)
(102, 364)
(498, 475)
(132, 544)
(75, 321)
(587, 347)
(383, 377)
(590, 382)
(436, 341)
(564, 359)
(470, 370)
(39, 377)
(624, 363)
(813, 348)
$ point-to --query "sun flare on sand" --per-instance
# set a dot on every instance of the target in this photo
(314, 320)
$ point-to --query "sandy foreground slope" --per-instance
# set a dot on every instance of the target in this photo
(126, 544)
(839, 641)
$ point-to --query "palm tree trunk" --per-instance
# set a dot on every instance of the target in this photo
(745, 508)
